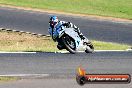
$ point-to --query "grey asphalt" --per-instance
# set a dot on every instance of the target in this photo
(38, 22)
(62, 68)
(57, 63)
(57, 83)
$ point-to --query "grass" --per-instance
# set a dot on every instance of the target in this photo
(6, 79)
(114, 8)
(99, 45)
(15, 41)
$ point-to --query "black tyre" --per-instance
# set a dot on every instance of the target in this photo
(81, 80)
(69, 44)
(90, 49)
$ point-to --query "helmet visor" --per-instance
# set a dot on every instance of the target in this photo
(52, 23)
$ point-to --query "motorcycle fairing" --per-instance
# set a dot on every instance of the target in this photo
(75, 36)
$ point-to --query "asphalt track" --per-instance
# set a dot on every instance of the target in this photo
(62, 67)
(65, 63)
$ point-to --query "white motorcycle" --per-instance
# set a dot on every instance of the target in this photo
(70, 40)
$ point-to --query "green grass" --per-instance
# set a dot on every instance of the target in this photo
(6, 79)
(114, 8)
(100, 45)
(14, 41)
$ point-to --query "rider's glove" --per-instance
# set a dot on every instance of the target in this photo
(67, 25)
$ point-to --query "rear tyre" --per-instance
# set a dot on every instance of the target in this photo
(69, 44)
(90, 48)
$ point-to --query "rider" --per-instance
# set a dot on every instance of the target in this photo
(55, 23)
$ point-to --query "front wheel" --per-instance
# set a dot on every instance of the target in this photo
(69, 43)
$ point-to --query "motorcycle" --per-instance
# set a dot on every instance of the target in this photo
(70, 40)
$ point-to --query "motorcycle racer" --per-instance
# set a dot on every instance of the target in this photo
(55, 26)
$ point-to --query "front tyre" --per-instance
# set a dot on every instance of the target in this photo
(69, 43)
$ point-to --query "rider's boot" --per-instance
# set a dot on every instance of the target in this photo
(79, 33)
(82, 36)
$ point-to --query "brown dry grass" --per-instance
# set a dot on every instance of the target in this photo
(12, 41)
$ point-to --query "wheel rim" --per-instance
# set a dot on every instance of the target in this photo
(70, 42)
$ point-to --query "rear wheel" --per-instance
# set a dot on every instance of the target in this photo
(90, 48)
(69, 44)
